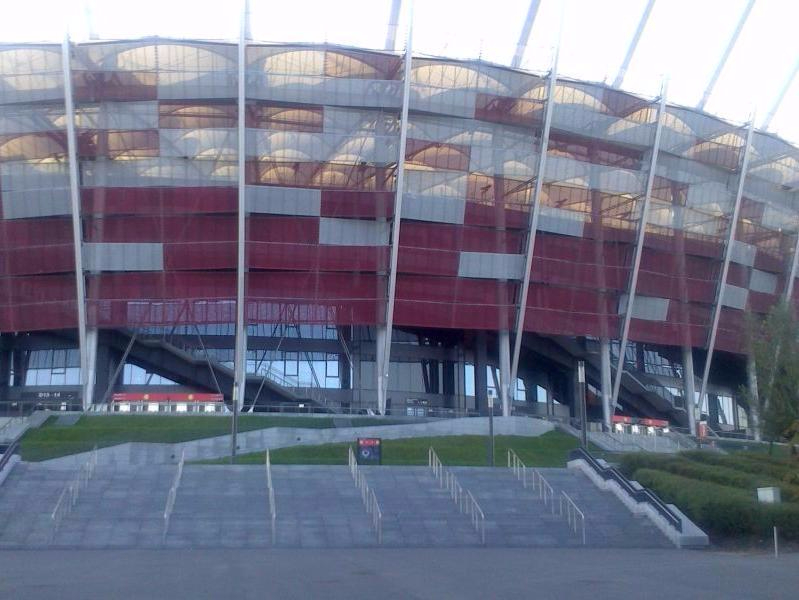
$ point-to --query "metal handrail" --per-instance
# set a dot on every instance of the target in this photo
(545, 491)
(271, 494)
(572, 513)
(173, 494)
(368, 495)
(519, 468)
(8, 453)
(69, 495)
(434, 462)
(477, 516)
(641, 494)
(462, 497)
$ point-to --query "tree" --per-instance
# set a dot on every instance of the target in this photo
(773, 344)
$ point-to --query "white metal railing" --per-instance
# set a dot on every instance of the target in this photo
(519, 468)
(545, 491)
(271, 492)
(463, 498)
(573, 514)
(173, 493)
(69, 495)
(435, 464)
(367, 495)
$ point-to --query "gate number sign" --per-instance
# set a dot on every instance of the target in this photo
(369, 451)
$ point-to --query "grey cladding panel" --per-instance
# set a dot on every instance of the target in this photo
(25, 204)
(734, 296)
(646, 308)
(353, 232)
(433, 209)
(563, 222)
(743, 253)
(123, 257)
(489, 265)
(761, 281)
(283, 201)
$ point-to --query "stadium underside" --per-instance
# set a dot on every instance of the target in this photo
(222, 217)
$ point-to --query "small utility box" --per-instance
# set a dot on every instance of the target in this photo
(369, 451)
(768, 495)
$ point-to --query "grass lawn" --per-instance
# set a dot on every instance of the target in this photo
(548, 450)
(51, 440)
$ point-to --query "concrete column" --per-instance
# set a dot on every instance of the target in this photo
(448, 383)
(550, 397)
(20, 361)
(105, 366)
(754, 398)
(91, 367)
(480, 379)
(607, 386)
(381, 369)
(5, 365)
(506, 385)
(355, 349)
(713, 410)
(688, 387)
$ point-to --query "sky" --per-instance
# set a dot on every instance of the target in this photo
(683, 39)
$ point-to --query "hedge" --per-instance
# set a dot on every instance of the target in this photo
(719, 509)
(776, 469)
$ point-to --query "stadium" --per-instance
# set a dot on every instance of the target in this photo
(379, 231)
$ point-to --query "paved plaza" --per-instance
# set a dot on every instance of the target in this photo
(462, 573)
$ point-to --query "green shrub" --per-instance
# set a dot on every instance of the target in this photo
(631, 462)
(719, 509)
(761, 471)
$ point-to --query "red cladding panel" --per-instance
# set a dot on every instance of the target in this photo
(441, 236)
(155, 200)
(496, 215)
(312, 257)
(96, 86)
(113, 144)
(343, 203)
(283, 230)
(333, 298)
(428, 262)
(156, 228)
(141, 299)
(193, 256)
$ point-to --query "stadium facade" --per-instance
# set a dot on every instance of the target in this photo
(223, 217)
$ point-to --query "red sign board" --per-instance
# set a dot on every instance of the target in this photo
(166, 397)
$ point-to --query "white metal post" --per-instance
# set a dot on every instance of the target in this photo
(792, 271)
(393, 24)
(727, 51)
(781, 96)
(725, 267)
(689, 385)
(607, 390)
(633, 44)
(506, 386)
(639, 248)
(240, 352)
(524, 36)
(382, 369)
(86, 364)
(521, 309)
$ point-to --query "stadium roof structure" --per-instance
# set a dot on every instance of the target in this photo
(746, 61)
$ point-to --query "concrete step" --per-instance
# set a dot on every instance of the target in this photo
(317, 506)
(416, 512)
